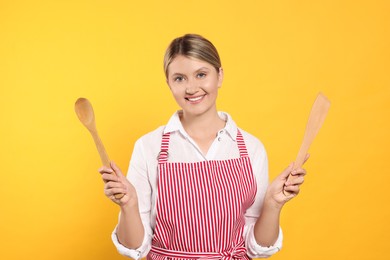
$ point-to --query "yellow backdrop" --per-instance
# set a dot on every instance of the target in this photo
(276, 55)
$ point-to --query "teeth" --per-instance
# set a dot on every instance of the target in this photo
(195, 99)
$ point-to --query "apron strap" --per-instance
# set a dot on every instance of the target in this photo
(163, 154)
(241, 144)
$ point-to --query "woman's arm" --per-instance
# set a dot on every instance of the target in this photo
(266, 229)
(130, 230)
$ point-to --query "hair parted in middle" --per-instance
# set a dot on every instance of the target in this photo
(192, 46)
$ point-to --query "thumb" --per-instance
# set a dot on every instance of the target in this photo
(284, 175)
(116, 169)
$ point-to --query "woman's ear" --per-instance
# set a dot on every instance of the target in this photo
(220, 77)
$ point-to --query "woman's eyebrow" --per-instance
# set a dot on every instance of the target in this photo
(196, 71)
(177, 74)
(202, 68)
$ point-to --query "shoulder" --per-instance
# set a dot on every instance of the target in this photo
(151, 139)
(254, 146)
(149, 145)
(156, 134)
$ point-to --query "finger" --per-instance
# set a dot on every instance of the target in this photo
(289, 195)
(112, 184)
(113, 191)
(110, 177)
(298, 172)
(295, 181)
(292, 189)
(105, 169)
(117, 200)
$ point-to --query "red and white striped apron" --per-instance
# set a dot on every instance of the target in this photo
(200, 207)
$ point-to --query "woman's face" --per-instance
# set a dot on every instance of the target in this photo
(194, 84)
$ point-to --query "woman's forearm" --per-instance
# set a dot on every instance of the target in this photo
(130, 230)
(266, 229)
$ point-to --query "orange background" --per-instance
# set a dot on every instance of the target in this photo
(277, 55)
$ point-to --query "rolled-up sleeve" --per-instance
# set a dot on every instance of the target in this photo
(255, 250)
(132, 253)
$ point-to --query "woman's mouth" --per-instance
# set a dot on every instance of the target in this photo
(195, 99)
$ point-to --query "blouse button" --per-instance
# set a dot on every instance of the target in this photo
(219, 139)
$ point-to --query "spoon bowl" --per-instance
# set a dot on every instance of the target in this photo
(84, 111)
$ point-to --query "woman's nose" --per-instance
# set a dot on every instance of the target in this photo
(192, 88)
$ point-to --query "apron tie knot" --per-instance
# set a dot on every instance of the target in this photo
(235, 253)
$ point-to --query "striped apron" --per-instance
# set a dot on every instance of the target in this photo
(200, 207)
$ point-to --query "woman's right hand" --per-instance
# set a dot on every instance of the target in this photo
(117, 183)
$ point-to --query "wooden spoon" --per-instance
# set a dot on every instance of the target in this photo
(84, 111)
(316, 119)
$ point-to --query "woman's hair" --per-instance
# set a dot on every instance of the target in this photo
(192, 46)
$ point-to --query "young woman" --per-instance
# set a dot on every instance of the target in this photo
(197, 188)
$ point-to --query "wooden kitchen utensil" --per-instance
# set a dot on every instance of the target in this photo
(316, 119)
(84, 111)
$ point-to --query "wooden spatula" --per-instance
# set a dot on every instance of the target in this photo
(316, 119)
(84, 111)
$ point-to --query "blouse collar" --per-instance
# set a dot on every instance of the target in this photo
(174, 124)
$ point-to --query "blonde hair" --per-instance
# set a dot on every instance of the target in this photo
(192, 46)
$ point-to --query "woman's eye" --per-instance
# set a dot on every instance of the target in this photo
(178, 79)
(201, 75)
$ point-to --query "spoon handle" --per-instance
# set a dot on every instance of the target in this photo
(100, 147)
(316, 119)
(103, 154)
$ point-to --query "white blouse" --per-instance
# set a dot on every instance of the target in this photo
(143, 175)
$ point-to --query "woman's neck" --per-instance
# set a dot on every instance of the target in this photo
(202, 128)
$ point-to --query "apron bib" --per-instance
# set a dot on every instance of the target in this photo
(200, 207)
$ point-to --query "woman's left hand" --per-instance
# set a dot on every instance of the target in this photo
(280, 190)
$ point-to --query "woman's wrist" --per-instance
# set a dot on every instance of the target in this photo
(130, 206)
(272, 204)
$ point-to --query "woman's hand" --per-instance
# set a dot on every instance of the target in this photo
(280, 190)
(117, 183)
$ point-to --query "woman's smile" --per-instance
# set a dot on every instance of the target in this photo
(195, 100)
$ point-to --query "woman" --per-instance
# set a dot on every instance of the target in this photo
(197, 188)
